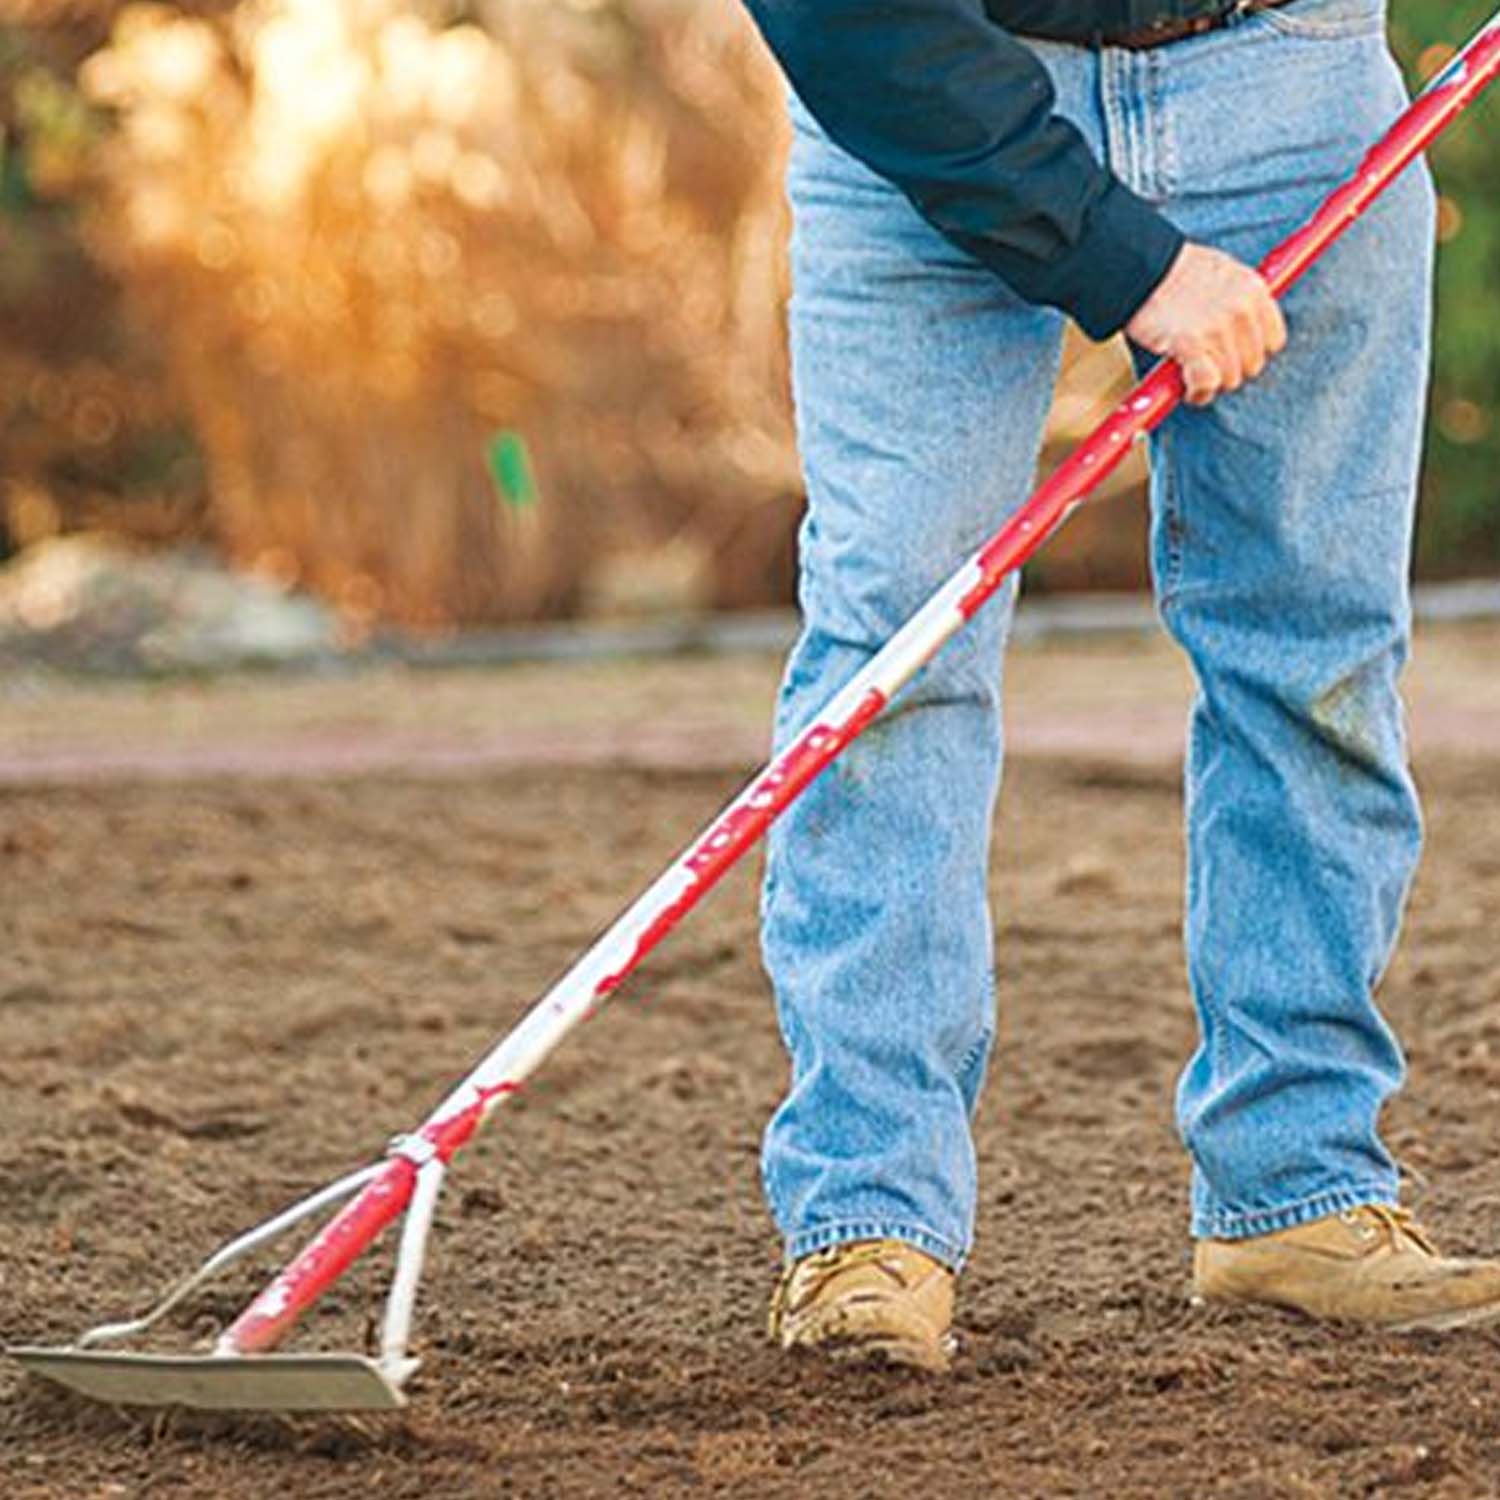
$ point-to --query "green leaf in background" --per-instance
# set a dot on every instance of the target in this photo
(510, 467)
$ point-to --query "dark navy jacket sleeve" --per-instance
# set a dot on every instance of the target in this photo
(938, 99)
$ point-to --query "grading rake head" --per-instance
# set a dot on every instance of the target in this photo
(230, 1379)
(240, 1373)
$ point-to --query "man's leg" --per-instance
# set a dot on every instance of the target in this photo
(921, 387)
(1283, 519)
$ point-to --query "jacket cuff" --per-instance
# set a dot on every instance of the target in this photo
(1126, 248)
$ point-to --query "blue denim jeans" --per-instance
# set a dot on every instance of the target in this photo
(1281, 528)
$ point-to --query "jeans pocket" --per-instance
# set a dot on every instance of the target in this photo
(1326, 20)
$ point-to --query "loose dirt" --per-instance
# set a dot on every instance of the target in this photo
(217, 992)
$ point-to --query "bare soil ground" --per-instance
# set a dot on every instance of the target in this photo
(217, 991)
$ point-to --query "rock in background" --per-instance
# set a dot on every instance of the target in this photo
(89, 604)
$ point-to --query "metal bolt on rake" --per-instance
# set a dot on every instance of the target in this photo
(241, 1373)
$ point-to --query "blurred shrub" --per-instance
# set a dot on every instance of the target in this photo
(473, 309)
(1460, 518)
(376, 247)
(90, 436)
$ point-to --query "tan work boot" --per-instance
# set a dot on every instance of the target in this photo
(1368, 1265)
(877, 1300)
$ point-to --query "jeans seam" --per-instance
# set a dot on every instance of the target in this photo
(1220, 1048)
(975, 1054)
(973, 1051)
(1173, 527)
(1164, 142)
(1248, 1224)
(850, 1231)
(1115, 140)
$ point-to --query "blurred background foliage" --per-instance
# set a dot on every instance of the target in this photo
(1460, 530)
(458, 313)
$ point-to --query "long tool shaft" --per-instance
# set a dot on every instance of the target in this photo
(601, 970)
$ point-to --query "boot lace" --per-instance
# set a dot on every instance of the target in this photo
(1398, 1225)
(812, 1272)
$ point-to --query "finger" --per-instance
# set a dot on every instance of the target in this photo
(1249, 343)
(1200, 378)
(1273, 321)
(1231, 366)
(1260, 349)
(1150, 338)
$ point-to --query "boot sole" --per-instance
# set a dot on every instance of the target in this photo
(888, 1353)
(1466, 1317)
(1463, 1317)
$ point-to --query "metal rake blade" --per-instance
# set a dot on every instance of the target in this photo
(224, 1382)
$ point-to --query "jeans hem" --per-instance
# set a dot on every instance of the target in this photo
(847, 1231)
(1224, 1224)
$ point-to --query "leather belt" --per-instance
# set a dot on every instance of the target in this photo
(1174, 28)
